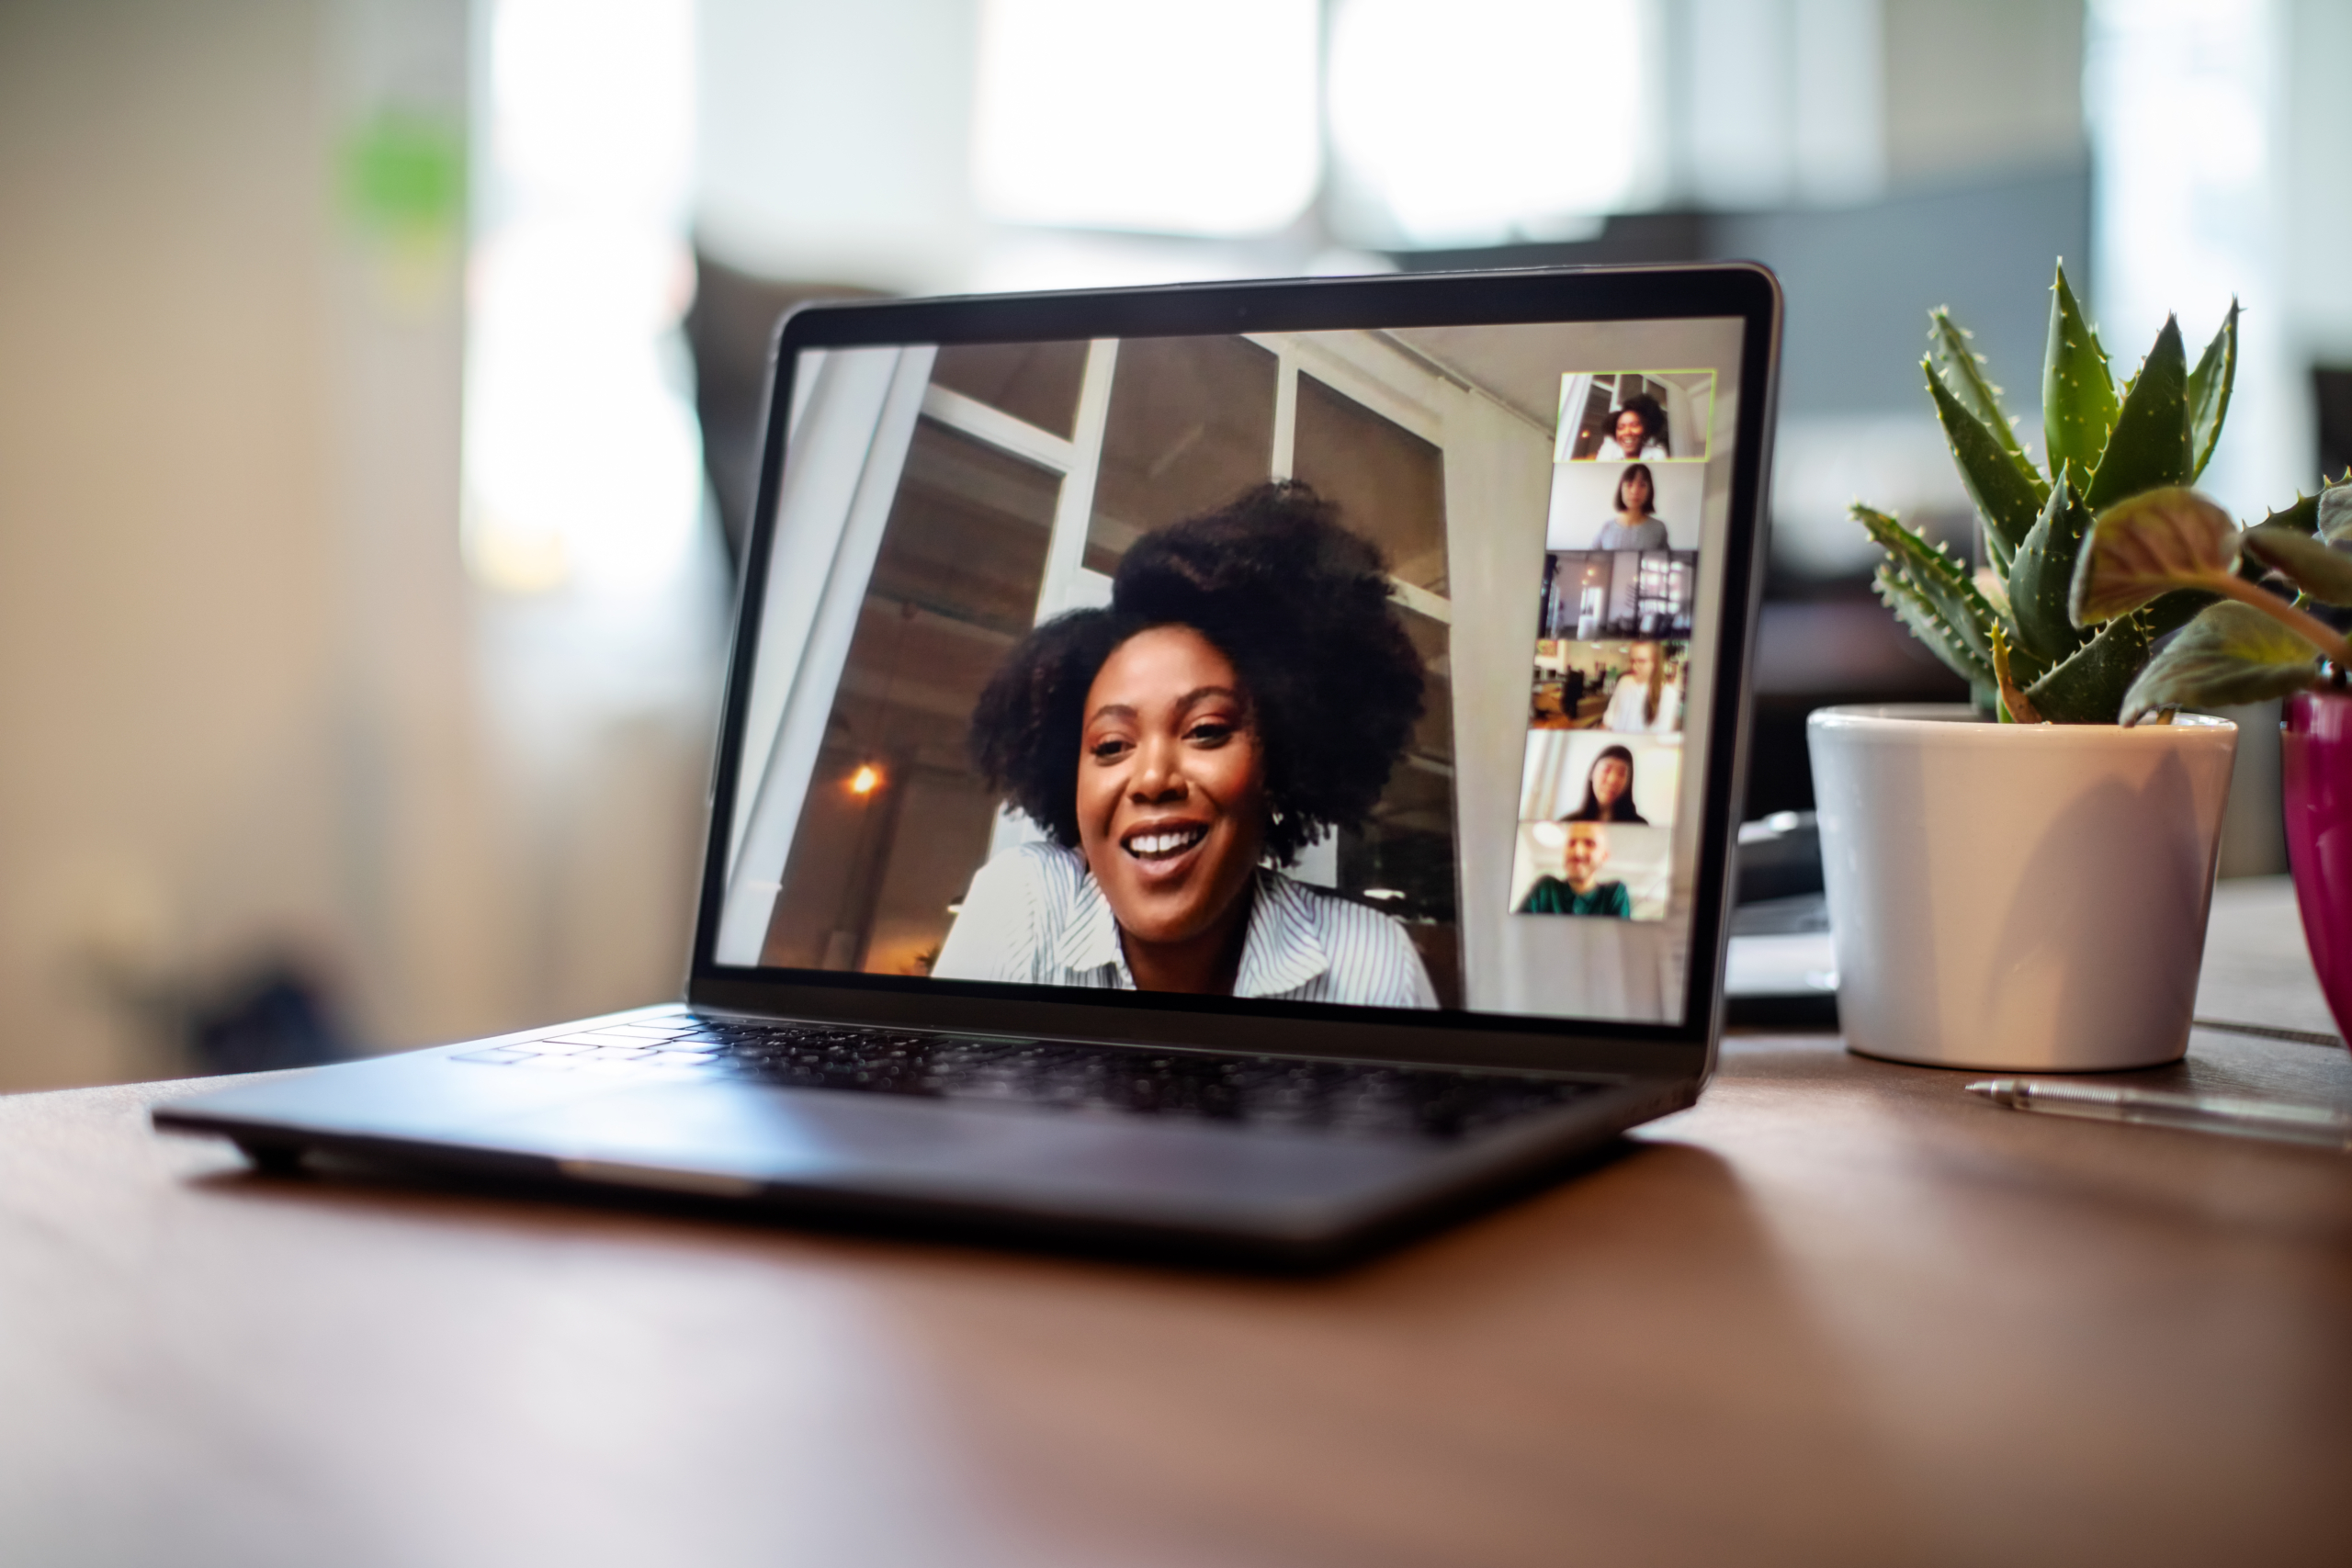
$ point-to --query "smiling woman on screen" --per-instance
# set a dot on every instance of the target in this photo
(1248, 689)
(1608, 790)
(1637, 428)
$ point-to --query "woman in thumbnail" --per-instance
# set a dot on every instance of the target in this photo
(1608, 790)
(1636, 525)
(1645, 701)
(1638, 426)
(1247, 690)
(1581, 892)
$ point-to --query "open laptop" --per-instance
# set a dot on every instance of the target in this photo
(1246, 765)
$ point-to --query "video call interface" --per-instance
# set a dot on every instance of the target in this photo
(1365, 668)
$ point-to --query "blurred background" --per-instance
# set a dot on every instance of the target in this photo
(379, 379)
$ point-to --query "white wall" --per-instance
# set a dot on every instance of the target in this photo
(1979, 85)
(166, 749)
(248, 700)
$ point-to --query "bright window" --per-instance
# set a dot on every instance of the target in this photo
(1482, 121)
(582, 460)
(1197, 119)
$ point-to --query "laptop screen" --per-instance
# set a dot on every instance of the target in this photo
(1366, 668)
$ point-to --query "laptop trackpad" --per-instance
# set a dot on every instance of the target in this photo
(730, 1138)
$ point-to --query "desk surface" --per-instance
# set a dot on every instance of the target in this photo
(1837, 1312)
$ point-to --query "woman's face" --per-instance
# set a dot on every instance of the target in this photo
(1631, 430)
(1610, 777)
(1170, 785)
(1637, 492)
(1643, 662)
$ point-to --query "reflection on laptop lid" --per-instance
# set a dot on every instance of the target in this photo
(1383, 672)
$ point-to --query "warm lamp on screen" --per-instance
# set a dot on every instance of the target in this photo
(866, 779)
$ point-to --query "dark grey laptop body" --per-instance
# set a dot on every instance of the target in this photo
(1289, 1190)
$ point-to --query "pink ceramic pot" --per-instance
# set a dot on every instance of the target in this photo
(2316, 757)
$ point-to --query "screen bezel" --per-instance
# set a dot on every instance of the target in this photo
(1737, 289)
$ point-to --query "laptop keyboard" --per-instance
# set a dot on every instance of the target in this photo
(1342, 1096)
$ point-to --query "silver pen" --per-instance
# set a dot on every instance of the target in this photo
(2231, 1115)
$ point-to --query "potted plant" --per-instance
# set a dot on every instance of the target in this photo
(2251, 644)
(2022, 883)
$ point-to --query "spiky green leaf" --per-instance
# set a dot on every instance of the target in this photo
(2150, 446)
(2153, 542)
(2321, 572)
(1995, 587)
(2044, 572)
(2078, 406)
(2007, 491)
(2001, 551)
(2230, 654)
(2087, 686)
(1964, 372)
(1912, 608)
(2303, 516)
(1929, 570)
(2208, 391)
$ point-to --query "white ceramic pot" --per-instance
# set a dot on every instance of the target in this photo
(2029, 898)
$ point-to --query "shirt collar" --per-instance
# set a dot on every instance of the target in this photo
(1281, 952)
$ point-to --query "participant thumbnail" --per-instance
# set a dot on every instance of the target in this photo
(1625, 688)
(1592, 869)
(1624, 506)
(1592, 775)
(1659, 416)
(1598, 595)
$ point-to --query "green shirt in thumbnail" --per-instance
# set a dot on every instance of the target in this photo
(1550, 896)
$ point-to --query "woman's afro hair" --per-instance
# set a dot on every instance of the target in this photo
(1299, 605)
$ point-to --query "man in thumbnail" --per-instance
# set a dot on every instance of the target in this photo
(1583, 892)
(1636, 525)
(1639, 429)
(1248, 689)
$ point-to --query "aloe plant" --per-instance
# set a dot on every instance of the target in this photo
(2010, 629)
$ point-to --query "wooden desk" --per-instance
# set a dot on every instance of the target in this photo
(1838, 1313)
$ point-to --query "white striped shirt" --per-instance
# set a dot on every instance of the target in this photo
(1036, 916)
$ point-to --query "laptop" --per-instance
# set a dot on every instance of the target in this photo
(1247, 767)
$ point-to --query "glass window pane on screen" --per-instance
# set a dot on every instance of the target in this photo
(1402, 859)
(1034, 382)
(1191, 427)
(897, 818)
(1663, 606)
(1389, 483)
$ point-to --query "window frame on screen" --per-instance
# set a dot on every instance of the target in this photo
(1746, 291)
